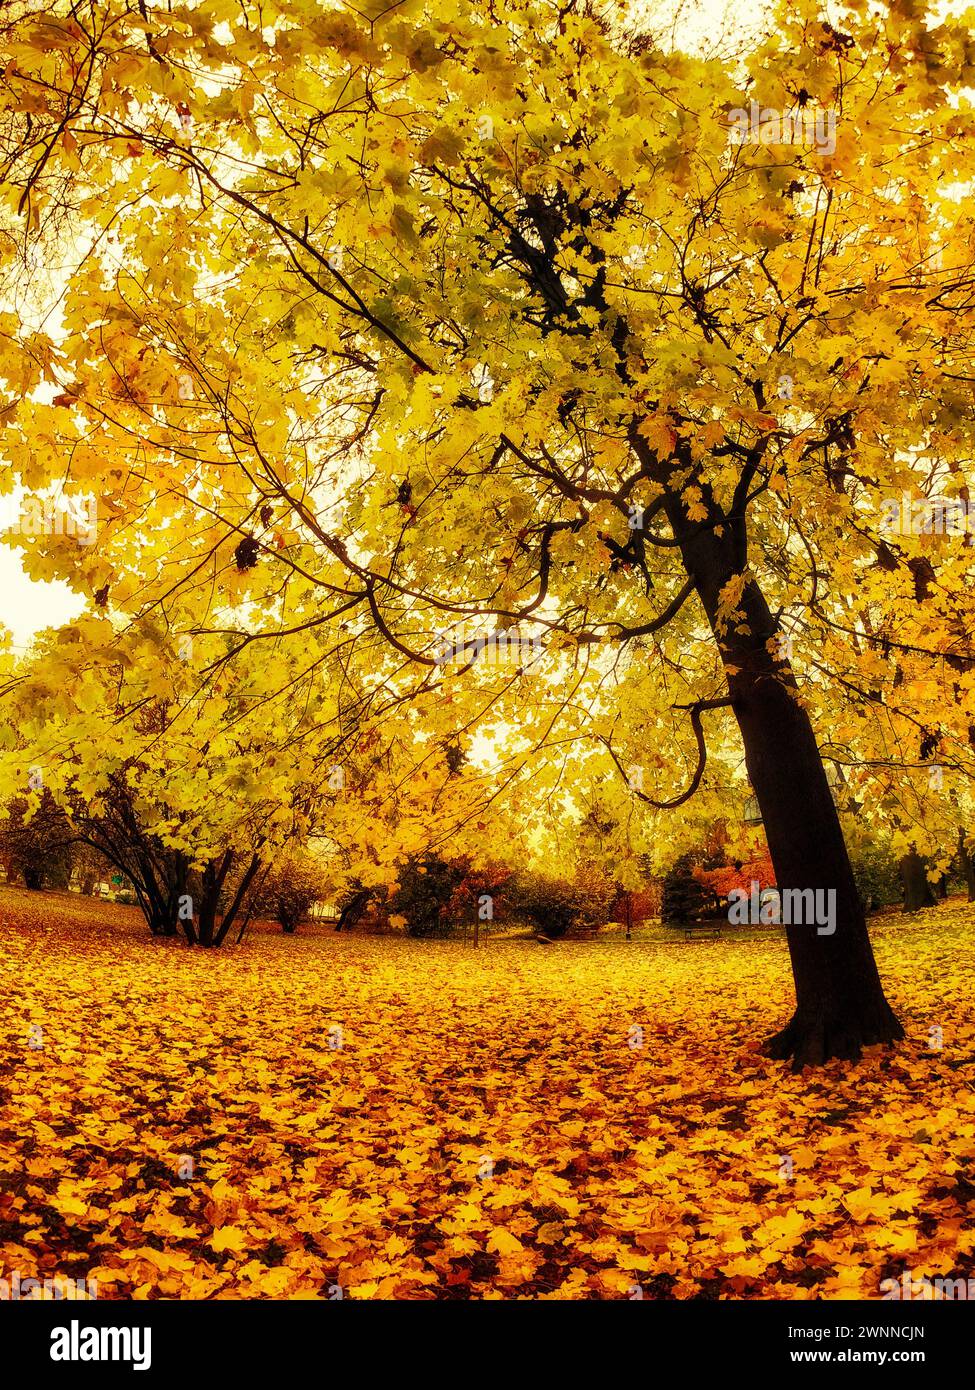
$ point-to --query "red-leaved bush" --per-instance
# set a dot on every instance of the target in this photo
(722, 881)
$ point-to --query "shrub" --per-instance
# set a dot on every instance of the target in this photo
(426, 886)
(563, 907)
(293, 883)
(877, 875)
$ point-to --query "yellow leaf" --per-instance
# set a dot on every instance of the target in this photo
(502, 1242)
(229, 1238)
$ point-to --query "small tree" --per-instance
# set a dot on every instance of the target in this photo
(35, 841)
(292, 885)
(426, 885)
(560, 907)
(685, 898)
(477, 894)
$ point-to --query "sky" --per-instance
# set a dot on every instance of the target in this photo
(29, 605)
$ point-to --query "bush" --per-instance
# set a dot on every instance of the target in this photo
(685, 898)
(877, 876)
(426, 886)
(563, 907)
(291, 886)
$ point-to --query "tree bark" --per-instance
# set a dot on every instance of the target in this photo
(211, 886)
(230, 915)
(917, 888)
(840, 1002)
(967, 865)
(354, 910)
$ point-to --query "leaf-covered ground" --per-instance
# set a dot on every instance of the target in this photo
(488, 1127)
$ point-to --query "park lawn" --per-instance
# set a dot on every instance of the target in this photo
(375, 1117)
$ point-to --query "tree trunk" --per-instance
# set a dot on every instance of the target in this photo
(239, 897)
(967, 865)
(915, 883)
(250, 903)
(354, 910)
(211, 886)
(840, 1002)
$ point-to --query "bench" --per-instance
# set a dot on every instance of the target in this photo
(709, 926)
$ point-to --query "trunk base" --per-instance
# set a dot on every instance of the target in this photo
(812, 1040)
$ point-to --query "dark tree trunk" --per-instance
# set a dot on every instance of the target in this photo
(230, 916)
(840, 1002)
(211, 886)
(915, 883)
(163, 924)
(250, 899)
(967, 865)
(354, 910)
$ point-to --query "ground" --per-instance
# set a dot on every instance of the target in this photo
(383, 1117)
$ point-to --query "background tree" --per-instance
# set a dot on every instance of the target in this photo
(685, 897)
(180, 786)
(291, 888)
(558, 907)
(36, 841)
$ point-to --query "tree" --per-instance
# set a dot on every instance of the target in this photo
(480, 891)
(182, 788)
(876, 872)
(35, 841)
(88, 867)
(636, 372)
(292, 886)
(966, 865)
(917, 888)
(685, 898)
(426, 886)
(573, 906)
(353, 905)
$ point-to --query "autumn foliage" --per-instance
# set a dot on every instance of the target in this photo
(292, 1117)
(729, 877)
(487, 449)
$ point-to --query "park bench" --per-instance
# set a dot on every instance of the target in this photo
(708, 926)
